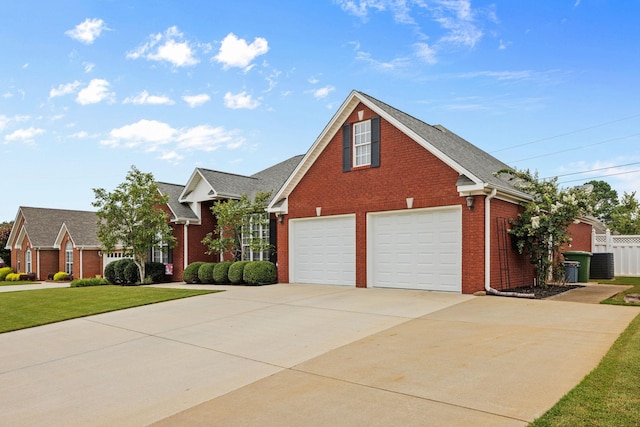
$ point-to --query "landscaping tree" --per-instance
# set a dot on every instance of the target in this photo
(238, 218)
(625, 217)
(131, 216)
(542, 228)
(603, 199)
(5, 230)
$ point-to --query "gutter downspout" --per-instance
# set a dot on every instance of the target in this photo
(185, 243)
(487, 242)
(487, 253)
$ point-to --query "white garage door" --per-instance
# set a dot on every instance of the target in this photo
(323, 250)
(416, 249)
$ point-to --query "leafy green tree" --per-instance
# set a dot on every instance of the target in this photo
(603, 199)
(131, 216)
(625, 217)
(541, 230)
(237, 219)
(5, 230)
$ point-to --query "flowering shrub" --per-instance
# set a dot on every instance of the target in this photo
(542, 229)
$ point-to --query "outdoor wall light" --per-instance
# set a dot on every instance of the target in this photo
(318, 211)
(409, 202)
(99, 253)
(470, 200)
(280, 218)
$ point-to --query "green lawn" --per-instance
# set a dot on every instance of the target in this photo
(610, 394)
(25, 309)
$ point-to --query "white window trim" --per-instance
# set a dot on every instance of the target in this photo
(263, 231)
(68, 258)
(28, 261)
(356, 145)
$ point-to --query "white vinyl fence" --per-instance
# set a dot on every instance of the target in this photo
(625, 249)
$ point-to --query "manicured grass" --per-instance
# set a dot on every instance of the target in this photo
(17, 283)
(619, 298)
(609, 395)
(25, 309)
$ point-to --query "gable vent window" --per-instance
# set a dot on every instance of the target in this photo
(362, 143)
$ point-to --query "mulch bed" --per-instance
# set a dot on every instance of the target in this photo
(542, 292)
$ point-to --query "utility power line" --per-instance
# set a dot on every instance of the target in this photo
(601, 176)
(594, 170)
(565, 134)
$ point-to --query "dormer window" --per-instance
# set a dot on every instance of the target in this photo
(362, 143)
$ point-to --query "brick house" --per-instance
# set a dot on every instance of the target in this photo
(189, 210)
(45, 241)
(382, 199)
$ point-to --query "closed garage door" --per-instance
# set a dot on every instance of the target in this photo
(323, 250)
(416, 249)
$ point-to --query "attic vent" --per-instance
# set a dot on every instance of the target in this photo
(441, 128)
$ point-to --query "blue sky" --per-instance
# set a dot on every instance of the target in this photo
(89, 88)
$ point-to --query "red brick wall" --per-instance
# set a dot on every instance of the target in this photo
(91, 263)
(48, 263)
(406, 170)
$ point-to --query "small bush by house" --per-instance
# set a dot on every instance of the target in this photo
(61, 276)
(154, 271)
(12, 277)
(260, 272)
(190, 274)
(4, 271)
(79, 283)
(221, 272)
(236, 272)
(205, 272)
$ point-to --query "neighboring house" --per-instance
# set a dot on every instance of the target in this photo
(382, 199)
(46, 241)
(189, 209)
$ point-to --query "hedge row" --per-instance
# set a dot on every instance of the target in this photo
(125, 272)
(229, 272)
(79, 283)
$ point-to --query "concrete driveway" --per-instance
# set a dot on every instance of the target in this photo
(306, 355)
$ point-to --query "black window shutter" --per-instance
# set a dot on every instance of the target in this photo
(375, 142)
(273, 240)
(346, 148)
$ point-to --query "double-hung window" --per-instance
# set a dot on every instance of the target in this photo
(28, 261)
(68, 258)
(255, 237)
(362, 143)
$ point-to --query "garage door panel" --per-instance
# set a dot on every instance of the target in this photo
(322, 250)
(419, 249)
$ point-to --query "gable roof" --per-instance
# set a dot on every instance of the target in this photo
(475, 166)
(179, 211)
(224, 185)
(43, 226)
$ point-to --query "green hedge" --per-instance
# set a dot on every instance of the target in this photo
(79, 283)
(190, 274)
(12, 277)
(236, 272)
(260, 273)
(205, 272)
(221, 272)
(4, 271)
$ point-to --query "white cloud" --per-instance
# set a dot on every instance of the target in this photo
(235, 52)
(156, 136)
(88, 67)
(144, 98)
(426, 53)
(80, 135)
(23, 135)
(4, 121)
(196, 100)
(169, 47)
(208, 138)
(87, 31)
(97, 91)
(323, 92)
(64, 89)
(240, 101)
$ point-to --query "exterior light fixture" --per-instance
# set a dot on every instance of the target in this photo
(470, 200)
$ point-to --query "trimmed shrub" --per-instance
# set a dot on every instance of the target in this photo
(154, 271)
(190, 274)
(61, 275)
(236, 272)
(109, 272)
(205, 272)
(119, 270)
(79, 283)
(221, 272)
(4, 271)
(131, 273)
(260, 272)
(12, 277)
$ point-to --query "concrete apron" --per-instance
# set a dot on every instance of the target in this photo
(306, 354)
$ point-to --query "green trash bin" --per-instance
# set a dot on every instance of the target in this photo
(584, 258)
